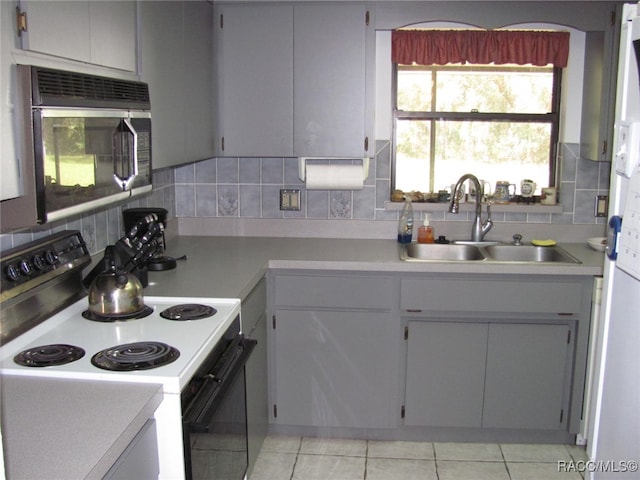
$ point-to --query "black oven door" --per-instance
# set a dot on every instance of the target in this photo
(215, 418)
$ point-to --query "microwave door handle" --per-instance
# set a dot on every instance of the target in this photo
(125, 183)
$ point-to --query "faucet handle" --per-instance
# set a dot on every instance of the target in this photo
(517, 239)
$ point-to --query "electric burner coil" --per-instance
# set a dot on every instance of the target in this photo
(49, 355)
(145, 311)
(135, 356)
(188, 311)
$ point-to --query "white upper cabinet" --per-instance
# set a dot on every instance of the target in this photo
(198, 80)
(329, 80)
(292, 80)
(113, 34)
(98, 32)
(254, 60)
(177, 63)
(162, 68)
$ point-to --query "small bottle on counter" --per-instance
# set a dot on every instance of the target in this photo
(425, 232)
(405, 224)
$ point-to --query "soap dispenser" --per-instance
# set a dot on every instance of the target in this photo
(425, 232)
(405, 224)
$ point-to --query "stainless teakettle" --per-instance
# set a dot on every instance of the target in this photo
(115, 293)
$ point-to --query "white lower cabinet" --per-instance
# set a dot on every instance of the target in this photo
(486, 375)
(525, 380)
(488, 357)
(254, 326)
(335, 351)
(334, 369)
(445, 374)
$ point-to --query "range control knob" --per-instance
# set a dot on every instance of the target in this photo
(25, 267)
(12, 273)
(50, 257)
(38, 262)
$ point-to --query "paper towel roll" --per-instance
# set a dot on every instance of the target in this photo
(334, 177)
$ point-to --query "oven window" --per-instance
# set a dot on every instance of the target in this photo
(80, 156)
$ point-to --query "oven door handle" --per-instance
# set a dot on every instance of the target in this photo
(199, 412)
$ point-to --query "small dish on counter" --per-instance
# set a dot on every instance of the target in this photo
(597, 243)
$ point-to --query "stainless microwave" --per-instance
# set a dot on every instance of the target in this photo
(89, 139)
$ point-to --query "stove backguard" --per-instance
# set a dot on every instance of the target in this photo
(40, 279)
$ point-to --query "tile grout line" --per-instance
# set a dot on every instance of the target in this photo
(506, 465)
(293, 469)
(366, 458)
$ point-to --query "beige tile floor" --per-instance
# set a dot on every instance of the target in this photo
(303, 458)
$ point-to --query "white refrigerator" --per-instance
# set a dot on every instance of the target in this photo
(613, 443)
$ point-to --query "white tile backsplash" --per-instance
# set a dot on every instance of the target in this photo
(249, 188)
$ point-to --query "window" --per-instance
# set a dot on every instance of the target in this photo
(497, 121)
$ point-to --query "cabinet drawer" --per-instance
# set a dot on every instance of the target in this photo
(481, 295)
(334, 291)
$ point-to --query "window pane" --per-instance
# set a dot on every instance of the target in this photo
(494, 92)
(413, 155)
(414, 90)
(490, 150)
(472, 88)
(439, 135)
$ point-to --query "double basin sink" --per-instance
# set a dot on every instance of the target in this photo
(485, 251)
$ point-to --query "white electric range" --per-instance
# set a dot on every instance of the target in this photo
(193, 339)
(190, 343)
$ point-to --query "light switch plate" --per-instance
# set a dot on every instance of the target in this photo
(602, 205)
(289, 199)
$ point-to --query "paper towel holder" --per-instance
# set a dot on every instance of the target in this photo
(302, 165)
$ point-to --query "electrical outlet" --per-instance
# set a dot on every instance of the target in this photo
(289, 199)
(602, 205)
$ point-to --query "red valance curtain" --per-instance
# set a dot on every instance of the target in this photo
(439, 47)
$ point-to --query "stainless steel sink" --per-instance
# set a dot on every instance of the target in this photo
(441, 252)
(490, 252)
(528, 254)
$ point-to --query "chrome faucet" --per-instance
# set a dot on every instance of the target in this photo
(479, 229)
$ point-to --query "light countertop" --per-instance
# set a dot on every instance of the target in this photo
(70, 429)
(231, 266)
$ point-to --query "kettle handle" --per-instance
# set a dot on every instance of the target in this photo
(122, 278)
(107, 264)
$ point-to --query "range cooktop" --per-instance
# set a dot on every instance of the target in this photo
(190, 340)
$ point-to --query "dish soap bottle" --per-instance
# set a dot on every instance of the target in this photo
(425, 232)
(405, 224)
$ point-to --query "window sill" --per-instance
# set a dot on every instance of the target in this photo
(470, 207)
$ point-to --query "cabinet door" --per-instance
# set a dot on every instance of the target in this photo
(445, 374)
(197, 81)
(97, 32)
(257, 402)
(163, 69)
(177, 62)
(525, 376)
(329, 80)
(255, 80)
(335, 368)
(254, 325)
(61, 28)
(113, 34)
